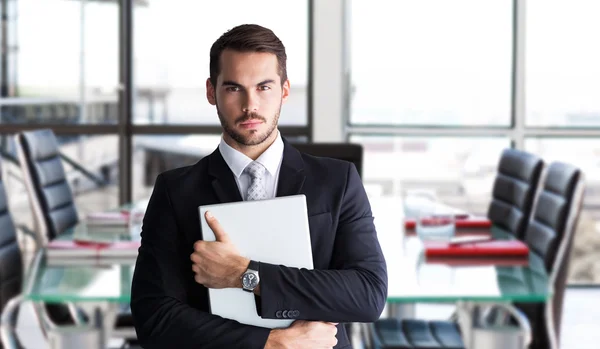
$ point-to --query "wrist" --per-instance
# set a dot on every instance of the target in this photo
(240, 268)
(275, 339)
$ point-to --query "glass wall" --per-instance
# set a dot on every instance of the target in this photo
(562, 81)
(63, 72)
(476, 77)
(153, 154)
(66, 73)
(457, 171)
(424, 63)
(172, 43)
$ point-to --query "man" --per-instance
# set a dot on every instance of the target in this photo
(248, 84)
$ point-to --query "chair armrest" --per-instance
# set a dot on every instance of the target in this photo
(8, 322)
(76, 314)
(500, 314)
(32, 234)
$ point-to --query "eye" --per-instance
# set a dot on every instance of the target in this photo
(232, 89)
(265, 88)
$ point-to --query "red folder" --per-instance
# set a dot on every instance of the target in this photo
(466, 223)
(84, 248)
(494, 248)
(479, 261)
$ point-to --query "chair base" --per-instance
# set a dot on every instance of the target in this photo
(413, 334)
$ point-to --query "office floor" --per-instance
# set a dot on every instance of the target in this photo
(580, 318)
(579, 329)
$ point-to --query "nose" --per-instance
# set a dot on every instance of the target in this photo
(251, 103)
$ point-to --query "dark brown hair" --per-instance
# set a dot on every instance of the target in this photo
(247, 38)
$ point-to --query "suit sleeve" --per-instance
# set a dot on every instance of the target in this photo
(159, 297)
(354, 289)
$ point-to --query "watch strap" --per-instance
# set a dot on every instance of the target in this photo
(252, 268)
(253, 265)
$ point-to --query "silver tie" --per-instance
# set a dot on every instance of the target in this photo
(256, 190)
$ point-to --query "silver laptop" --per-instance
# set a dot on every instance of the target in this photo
(273, 231)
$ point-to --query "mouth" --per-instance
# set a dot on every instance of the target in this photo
(251, 124)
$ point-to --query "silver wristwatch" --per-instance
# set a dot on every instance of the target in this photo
(250, 278)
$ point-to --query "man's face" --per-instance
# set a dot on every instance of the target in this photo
(248, 95)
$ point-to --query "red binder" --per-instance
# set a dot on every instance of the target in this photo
(466, 223)
(86, 249)
(490, 249)
(479, 261)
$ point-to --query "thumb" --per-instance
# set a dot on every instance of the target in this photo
(215, 226)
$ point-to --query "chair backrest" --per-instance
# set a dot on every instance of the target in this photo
(550, 235)
(343, 151)
(49, 192)
(11, 263)
(514, 189)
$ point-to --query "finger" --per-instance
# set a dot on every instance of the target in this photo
(195, 268)
(215, 226)
(198, 245)
(195, 258)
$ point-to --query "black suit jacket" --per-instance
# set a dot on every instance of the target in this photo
(348, 283)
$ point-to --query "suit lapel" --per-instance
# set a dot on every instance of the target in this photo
(223, 182)
(291, 174)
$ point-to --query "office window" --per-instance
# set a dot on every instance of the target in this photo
(457, 171)
(172, 43)
(431, 62)
(65, 65)
(94, 183)
(585, 154)
(562, 81)
(153, 154)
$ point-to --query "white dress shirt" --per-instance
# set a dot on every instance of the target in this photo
(270, 159)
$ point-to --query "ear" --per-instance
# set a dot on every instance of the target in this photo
(210, 92)
(285, 91)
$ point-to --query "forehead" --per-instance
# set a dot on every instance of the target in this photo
(249, 67)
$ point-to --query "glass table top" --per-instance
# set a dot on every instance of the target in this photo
(81, 281)
(84, 279)
(410, 277)
(97, 233)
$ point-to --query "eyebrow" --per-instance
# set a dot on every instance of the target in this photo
(269, 81)
(233, 83)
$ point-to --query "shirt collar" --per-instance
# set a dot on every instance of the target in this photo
(237, 161)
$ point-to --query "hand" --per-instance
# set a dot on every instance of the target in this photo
(304, 335)
(218, 264)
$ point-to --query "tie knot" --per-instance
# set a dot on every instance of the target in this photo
(255, 169)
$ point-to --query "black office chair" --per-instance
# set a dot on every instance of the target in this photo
(52, 200)
(549, 236)
(11, 262)
(50, 195)
(514, 189)
(343, 151)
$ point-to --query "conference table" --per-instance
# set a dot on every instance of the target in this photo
(104, 285)
(470, 285)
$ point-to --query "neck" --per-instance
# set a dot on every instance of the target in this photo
(251, 151)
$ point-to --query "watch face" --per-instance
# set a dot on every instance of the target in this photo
(250, 280)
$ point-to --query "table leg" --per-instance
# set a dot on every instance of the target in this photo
(479, 334)
(402, 310)
(464, 313)
(104, 317)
